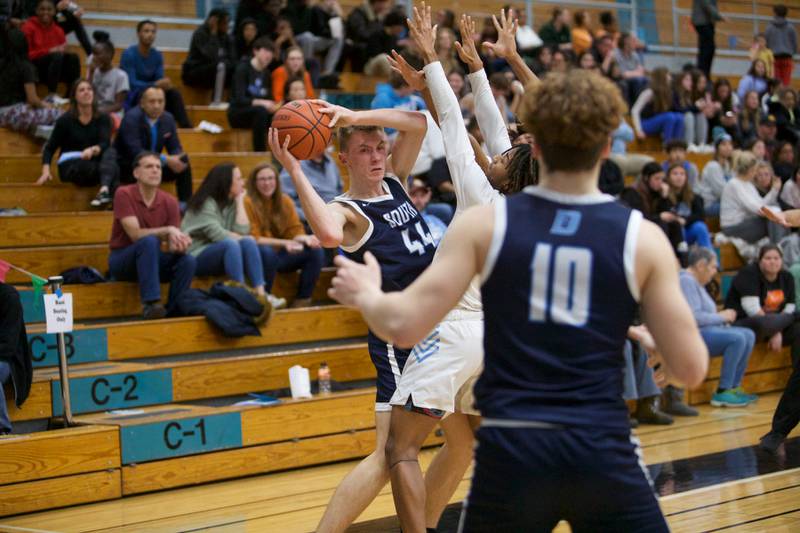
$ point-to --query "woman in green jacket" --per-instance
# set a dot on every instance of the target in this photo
(217, 222)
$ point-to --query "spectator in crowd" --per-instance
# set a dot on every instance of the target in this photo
(379, 45)
(21, 109)
(760, 50)
(717, 173)
(312, 29)
(555, 33)
(734, 344)
(216, 221)
(264, 12)
(676, 155)
(421, 194)
(212, 56)
(83, 137)
(768, 132)
(284, 39)
(293, 67)
(631, 66)
(763, 181)
(47, 48)
(705, 15)
(396, 94)
(365, 27)
(784, 160)
(749, 118)
(762, 293)
(608, 26)
(280, 235)
(148, 127)
(740, 207)
(458, 83)
(528, 41)
(790, 194)
(781, 38)
(649, 195)
(445, 48)
(629, 164)
(295, 90)
(542, 59)
(610, 181)
(110, 83)
(754, 80)
(639, 382)
(16, 359)
(652, 113)
(758, 149)
(787, 115)
(145, 217)
(246, 34)
(323, 174)
(603, 52)
(68, 17)
(581, 33)
(687, 207)
(694, 119)
(144, 65)
(251, 102)
(725, 108)
(586, 62)
(559, 63)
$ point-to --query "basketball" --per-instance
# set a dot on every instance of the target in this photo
(306, 126)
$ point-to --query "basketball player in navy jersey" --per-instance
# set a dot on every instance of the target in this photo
(374, 215)
(563, 270)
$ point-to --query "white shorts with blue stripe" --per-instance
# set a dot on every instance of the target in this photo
(440, 365)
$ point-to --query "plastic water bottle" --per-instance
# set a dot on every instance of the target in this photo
(324, 378)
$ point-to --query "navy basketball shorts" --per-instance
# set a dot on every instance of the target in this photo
(389, 361)
(529, 479)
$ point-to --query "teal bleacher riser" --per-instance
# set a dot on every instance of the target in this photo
(124, 390)
(82, 346)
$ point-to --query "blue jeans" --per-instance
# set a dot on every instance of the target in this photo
(639, 381)
(234, 259)
(712, 210)
(442, 211)
(670, 125)
(735, 344)
(308, 262)
(697, 233)
(5, 376)
(144, 261)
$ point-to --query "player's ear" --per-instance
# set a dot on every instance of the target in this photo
(342, 157)
(606, 150)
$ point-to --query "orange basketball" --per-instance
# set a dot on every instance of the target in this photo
(307, 127)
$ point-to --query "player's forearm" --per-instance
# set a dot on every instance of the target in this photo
(405, 121)
(521, 69)
(318, 215)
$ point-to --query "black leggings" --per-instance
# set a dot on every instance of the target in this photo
(256, 118)
(102, 170)
(58, 66)
(71, 23)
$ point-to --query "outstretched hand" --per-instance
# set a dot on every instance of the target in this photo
(775, 216)
(340, 116)
(355, 283)
(506, 44)
(413, 77)
(423, 32)
(280, 151)
(466, 48)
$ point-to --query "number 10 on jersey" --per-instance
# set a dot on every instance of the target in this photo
(560, 284)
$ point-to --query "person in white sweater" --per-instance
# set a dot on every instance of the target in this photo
(790, 195)
(740, 207)
(716, 174)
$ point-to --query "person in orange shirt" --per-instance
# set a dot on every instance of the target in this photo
(581, 34)
(293, 66)
(280, 235)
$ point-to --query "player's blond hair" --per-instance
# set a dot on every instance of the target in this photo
(571, 116)
(347, 131)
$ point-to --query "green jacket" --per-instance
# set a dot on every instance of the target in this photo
(210, 225)
(553, 37)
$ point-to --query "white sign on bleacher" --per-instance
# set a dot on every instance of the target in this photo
(58, 312)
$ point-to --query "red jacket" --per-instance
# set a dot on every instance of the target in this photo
(42, 38)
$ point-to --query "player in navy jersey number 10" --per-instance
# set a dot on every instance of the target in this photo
(563, 269)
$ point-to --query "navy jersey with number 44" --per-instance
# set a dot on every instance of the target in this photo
(397, 235)
(558, 295)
